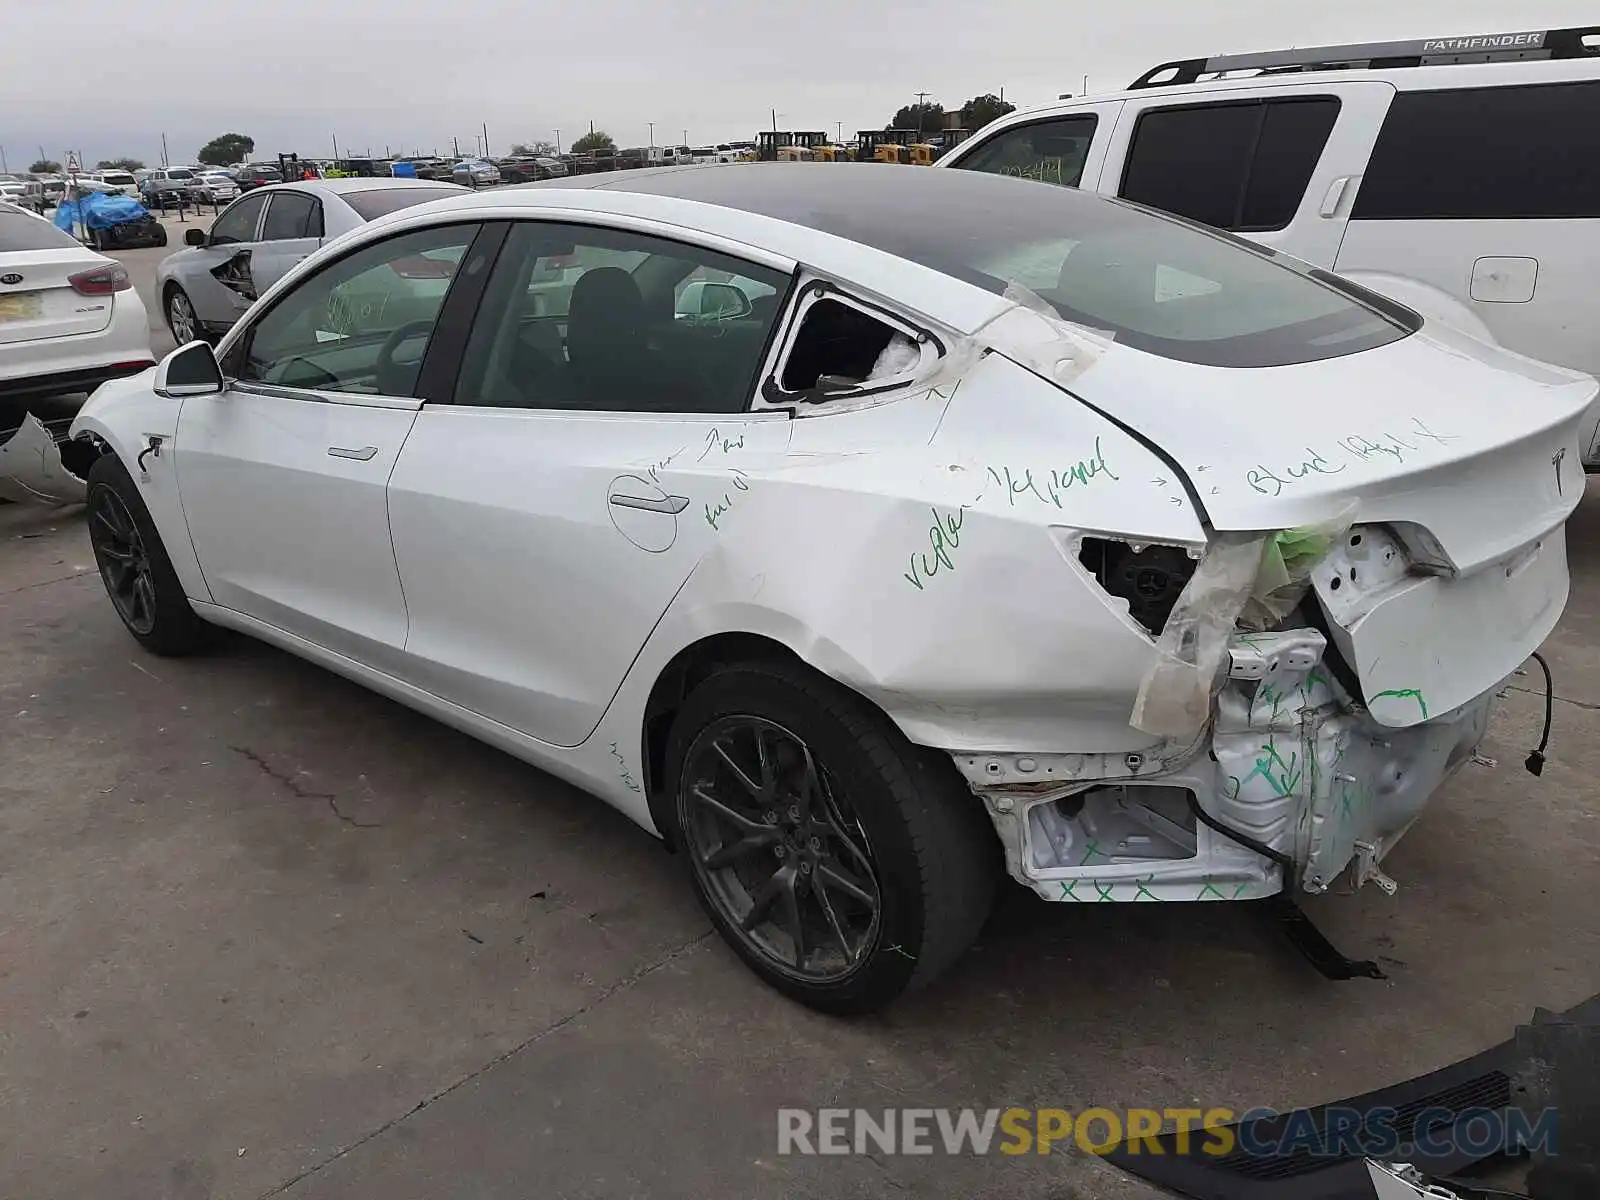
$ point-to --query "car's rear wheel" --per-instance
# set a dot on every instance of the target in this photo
(144, 589)
(181, 319)
(842, 863)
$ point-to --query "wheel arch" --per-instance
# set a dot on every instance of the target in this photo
(673, 683)
(121, 418)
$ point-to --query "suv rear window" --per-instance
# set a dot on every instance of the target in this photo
(1493, 153)
(1238, 166)
(21, 231)
(381, 201)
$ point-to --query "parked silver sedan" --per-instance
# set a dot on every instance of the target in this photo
(215, 187)
(208, 286)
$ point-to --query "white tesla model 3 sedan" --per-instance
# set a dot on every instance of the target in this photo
(870, 534)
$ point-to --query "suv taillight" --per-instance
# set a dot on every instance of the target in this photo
(101, 281)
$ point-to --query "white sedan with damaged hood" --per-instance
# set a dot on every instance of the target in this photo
(870, 559)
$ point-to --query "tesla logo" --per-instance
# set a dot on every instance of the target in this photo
(1555, 462)
(10, 277)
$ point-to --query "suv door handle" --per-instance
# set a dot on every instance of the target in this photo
(1335, 195)
(660, 504)
(362, 455)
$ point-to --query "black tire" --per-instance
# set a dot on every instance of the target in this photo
(161, 235)
(173, 629)
(932, 852)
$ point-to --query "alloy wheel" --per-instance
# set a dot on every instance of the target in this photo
(124, 563)
(778, 849)
(180, 315)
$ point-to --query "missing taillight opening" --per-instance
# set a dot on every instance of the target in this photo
(1150, 578)
(101, 281)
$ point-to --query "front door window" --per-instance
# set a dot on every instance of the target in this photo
(363, 323)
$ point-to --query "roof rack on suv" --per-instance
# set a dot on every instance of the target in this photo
(1418, 52)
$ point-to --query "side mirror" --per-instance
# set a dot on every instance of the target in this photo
(194, 237)
(705, 300)
(190, 370)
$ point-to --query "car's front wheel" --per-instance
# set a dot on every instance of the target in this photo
(144, 589)
(841, 862)
(181, 318)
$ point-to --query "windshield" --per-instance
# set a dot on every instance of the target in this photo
(116, 177)
(377, 203)
(1155, 282)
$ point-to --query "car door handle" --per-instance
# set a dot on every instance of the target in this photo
(660, 504)
(1335, 195)
(361, 455)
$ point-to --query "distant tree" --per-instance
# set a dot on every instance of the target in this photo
(925, 118)
(226, 150)
(598, 139)
(45, 166)
(542, 149)
(980, 110)
(119, 164)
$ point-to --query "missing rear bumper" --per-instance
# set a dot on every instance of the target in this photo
(31, 468)
(1293, 778)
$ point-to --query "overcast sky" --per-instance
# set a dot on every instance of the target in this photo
(412, 74)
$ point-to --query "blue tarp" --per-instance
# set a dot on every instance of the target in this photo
(101, 210)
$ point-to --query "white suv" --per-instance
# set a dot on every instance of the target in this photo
(1469, 192)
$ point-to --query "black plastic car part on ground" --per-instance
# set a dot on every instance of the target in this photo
(1388, 1127)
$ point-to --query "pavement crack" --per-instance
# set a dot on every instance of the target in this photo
(39, 583)
(295, 788)
(622, 985)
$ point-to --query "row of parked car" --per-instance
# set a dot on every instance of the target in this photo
(158, 187)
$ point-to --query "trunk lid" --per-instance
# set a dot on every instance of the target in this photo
(40, 303)
(1455, 462)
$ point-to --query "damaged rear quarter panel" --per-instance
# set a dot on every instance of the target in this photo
(124, 414)
(924, 552)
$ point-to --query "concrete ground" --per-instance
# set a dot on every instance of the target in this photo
(265, 934)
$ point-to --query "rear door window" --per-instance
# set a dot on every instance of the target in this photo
(1052, 151)
(1241, 166)
(292, 215)
(1506, 153)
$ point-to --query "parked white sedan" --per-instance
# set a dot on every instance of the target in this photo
(867, 557)
(69, 320)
